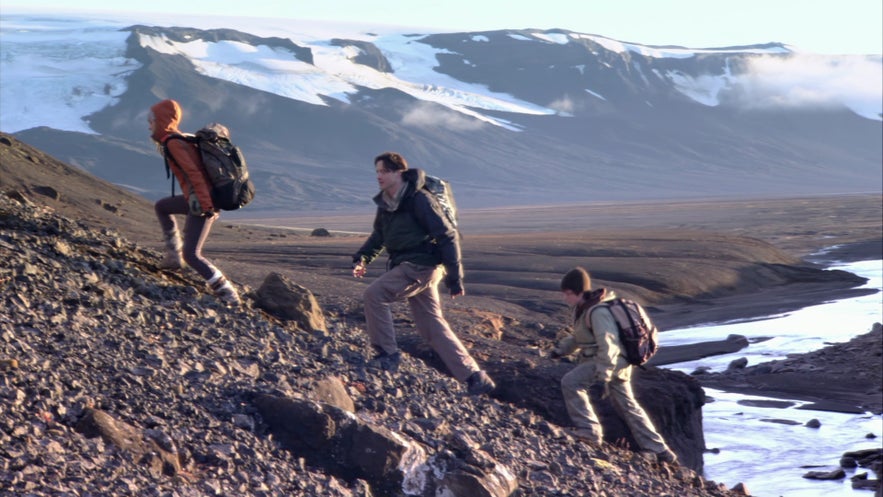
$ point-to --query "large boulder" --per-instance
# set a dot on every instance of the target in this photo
(672, 400)
(289, 301)
(524, 377)
(150, 448)
(393, 463)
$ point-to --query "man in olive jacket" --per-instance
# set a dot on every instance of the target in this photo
(423, 248)
(602, 368)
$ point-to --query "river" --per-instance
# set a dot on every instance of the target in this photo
(770, 458)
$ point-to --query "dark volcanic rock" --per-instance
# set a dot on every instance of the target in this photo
(287, 300)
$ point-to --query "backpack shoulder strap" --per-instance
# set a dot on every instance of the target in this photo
(165, 147)
(166, 153)
(590, 310)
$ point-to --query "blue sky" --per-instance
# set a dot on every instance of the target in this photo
(821, 26)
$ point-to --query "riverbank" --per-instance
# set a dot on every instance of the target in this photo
(844, 377)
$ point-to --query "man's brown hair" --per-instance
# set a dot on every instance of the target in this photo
(392, 161)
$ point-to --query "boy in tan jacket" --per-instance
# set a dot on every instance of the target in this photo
(601, 367)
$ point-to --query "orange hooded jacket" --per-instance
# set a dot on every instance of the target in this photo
(184, 159)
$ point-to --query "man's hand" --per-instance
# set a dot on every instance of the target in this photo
(359, 269)
(456, 288)
(601, 389)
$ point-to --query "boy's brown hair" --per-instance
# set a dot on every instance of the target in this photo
(577, 280)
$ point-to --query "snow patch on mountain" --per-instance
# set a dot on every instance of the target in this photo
(335, 75)
(675, 52)
(274, 70)
(56, 73)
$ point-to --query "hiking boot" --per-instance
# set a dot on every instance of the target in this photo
(479, 383)
(223, 289)
(667, 456)
(586, 435)
(172, 258)
(385, 361)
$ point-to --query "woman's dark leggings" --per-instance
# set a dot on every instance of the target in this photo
(196, 230)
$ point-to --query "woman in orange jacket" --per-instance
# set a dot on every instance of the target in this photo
(195, 202)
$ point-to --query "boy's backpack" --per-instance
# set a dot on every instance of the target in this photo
(441, 191)
(637, 333)
(225, 167)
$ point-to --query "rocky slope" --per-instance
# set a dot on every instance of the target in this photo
(95, 341)
(117, 377)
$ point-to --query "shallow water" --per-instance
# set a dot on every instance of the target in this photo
(770, 458)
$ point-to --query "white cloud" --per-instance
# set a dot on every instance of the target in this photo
(814, 80)
(424, 115)
(563, 105)
(795, 81)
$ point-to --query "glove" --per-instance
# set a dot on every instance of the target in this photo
(600, 389)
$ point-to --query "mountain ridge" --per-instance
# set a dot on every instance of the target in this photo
(510, 117)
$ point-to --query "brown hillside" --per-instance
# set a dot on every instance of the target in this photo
(691, 262)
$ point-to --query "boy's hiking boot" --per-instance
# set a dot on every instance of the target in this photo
(667, 456)
(385, 361)
(479, 383)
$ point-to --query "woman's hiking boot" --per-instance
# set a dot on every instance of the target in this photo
(224, 290)
(479, 383)
(172, 258)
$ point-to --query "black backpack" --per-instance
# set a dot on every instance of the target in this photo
(225, 167)
(444, 196)
(637, 333)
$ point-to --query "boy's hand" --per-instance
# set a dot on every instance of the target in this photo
(601, 389)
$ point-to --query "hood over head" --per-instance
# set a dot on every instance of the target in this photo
(167, 115)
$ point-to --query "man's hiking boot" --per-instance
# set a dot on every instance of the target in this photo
(385, 361)
(667, 456)
(479, 383)
(223, 289)
(172, 258)
(586, 435)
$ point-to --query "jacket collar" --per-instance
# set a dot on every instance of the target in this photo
(412, 180)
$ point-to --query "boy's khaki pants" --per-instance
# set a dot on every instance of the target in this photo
(575, 388)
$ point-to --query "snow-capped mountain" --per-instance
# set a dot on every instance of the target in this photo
(510, 117)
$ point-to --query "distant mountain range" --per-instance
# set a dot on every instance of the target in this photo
(510, 117)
